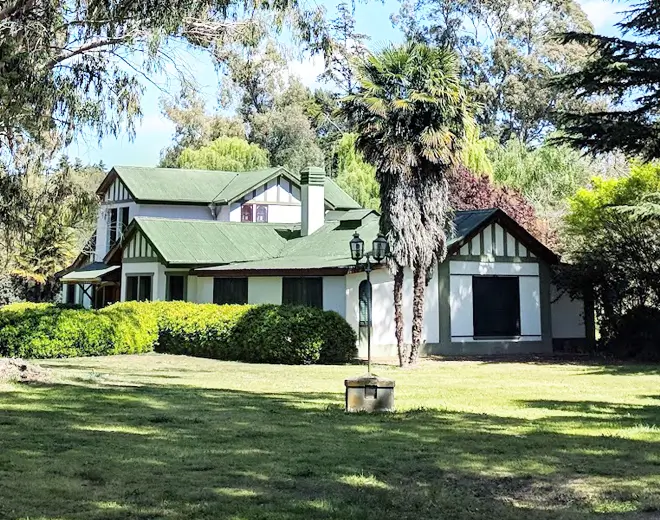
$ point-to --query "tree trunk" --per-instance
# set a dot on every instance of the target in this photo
(398, 317)
(419, 287)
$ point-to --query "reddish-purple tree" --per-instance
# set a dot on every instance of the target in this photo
(469, 191)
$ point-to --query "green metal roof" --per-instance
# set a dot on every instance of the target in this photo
(236, 246)
(204, 242)
(183, 186)
(92, 273)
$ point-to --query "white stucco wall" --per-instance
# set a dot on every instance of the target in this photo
(277, 213)
(312, 209)
(334, 294)
(201, 212)
(567, 316)
(383, 332)
(204, 290)
(156, 269)
(461, 302)
(265, 289)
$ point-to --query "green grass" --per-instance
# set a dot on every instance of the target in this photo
(166, 437)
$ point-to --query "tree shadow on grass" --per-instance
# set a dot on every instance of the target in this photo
(171, 452)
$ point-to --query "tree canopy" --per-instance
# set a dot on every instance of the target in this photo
(625, 70)
(224, 153)
(409, 111)
(508, 56)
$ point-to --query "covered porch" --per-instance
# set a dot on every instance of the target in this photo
(95, 285)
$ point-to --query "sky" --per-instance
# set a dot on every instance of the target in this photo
(154, 132)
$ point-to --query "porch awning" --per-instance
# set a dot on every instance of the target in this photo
(92, 273)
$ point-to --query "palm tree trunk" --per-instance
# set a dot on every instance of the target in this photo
(419, 288)
(398, 316)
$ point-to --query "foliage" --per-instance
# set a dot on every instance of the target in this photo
(258, 334)
(47, 212)
(468, 191)
(409, 111)
(590, 209)
(354, 175)
(616, 266)
(255, 334)
(194, 127)
(225, 153)
(508, 56)
(286, 133)
(49, 331)
(626, 69)
(546, 176)
(613, 240)
(66, 66)
(346, 46)
(475, 155)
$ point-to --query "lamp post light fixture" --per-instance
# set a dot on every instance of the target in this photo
(379, 251)
(369, 393)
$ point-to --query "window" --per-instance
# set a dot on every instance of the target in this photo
(230, 291)
(71, 293)
(262, 213)
(496, 306)
(303, 291)
(365, 301)
(176, 287)
(113, 227)
(246, 213)
(138, 287)
(125, 217)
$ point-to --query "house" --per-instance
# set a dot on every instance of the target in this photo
(270, 236)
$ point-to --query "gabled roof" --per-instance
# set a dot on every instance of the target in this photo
(181, 186)
(212, 247)
(208, 242)
(467, 224)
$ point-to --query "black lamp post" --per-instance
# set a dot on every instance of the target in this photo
(379, 251)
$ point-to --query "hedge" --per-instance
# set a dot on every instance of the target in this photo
(257, 334)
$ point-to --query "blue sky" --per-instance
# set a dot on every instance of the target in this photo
(155, 131)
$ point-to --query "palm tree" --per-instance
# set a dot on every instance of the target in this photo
(409, 112)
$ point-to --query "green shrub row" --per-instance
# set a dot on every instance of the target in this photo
(257, 334)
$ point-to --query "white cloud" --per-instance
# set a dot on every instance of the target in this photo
(602, 13)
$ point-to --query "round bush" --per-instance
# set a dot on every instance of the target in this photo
(637, 335)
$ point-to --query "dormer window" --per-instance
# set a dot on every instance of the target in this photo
(247, 213)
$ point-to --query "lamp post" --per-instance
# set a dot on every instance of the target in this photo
(379, 250)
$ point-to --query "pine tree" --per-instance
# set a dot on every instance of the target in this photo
(625, 69)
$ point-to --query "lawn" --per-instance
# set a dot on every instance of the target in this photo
(168, 437)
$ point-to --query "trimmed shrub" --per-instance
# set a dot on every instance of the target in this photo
(51, 331)
(202, 330)
(255, 334)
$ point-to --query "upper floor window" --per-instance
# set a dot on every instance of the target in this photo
(113, 231)
(254, 213)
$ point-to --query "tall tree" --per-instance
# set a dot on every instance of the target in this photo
(508, 56)
(69, 65)
(224, 153)
(409, 112)
(625, 69)
(356, 176)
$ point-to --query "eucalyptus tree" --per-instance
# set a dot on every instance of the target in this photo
(71, 65)
(410, 110)
(509, 53)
